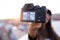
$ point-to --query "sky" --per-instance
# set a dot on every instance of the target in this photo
(12, 8)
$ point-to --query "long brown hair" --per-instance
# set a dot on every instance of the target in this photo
(49, 32)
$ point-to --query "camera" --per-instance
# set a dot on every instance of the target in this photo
(31, 13)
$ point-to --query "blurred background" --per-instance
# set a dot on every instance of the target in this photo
(10, 16)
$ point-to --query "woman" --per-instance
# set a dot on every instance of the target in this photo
(42, 31)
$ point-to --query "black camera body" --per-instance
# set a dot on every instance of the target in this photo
(31, 13)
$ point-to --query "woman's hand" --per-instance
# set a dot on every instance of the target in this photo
(33, 28)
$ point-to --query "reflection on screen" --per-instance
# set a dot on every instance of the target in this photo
(29, 16)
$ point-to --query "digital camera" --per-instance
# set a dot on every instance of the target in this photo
(31, 13)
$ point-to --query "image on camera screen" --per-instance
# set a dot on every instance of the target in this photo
(29, 16)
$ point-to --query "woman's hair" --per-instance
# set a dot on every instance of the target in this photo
(49, 32)
(49, 29)
(49, 12)
(46, 31)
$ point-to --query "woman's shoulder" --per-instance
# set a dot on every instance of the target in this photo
(25, 37)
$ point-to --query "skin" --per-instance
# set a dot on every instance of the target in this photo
(48, 17)
(32, 31)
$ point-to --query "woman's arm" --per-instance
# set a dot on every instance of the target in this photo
(33, 29)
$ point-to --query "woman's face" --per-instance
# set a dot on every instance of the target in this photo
(48, 17)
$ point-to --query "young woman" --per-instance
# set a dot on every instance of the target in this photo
(42, 31)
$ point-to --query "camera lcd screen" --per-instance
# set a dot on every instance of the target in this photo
(29, 16)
